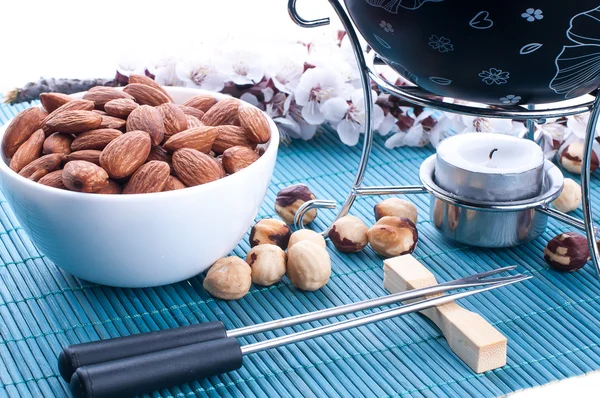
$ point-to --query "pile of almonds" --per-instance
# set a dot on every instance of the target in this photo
(134, 140)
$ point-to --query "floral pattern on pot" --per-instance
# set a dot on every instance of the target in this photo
(393, 5)
(475, 46)
(578, 65)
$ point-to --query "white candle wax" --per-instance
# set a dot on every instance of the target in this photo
(490, 166)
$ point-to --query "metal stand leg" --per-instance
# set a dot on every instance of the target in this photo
(585, 183)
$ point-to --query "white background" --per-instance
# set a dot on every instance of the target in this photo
(78, 39)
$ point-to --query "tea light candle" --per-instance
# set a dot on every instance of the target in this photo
(490, 167)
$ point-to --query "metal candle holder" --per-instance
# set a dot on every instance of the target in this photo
(531, 114)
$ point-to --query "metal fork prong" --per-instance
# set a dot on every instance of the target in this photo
(479, 276)
(499, 280)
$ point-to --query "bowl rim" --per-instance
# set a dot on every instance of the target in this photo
(271, 151)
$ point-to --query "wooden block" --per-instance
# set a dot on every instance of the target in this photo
(481, 346)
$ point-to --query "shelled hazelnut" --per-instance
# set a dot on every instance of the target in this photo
(270, 231)
(308, 266)
(571, 157)
(393, 236)
(268, 264)
(396, 207)
(567, 252)
(307, 234)
(290, 199)
(229, 278)
(349, 234)
(570, 197)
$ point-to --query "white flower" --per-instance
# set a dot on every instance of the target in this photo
(250, 98)
(349, 118)
(577, 124)
(294, 126)
(205, 73)
(165, 74)
(316, 86)
(415, 136)
(467, 124)
(279, 106)
(387, 124)
(287, 66)
(245, 63)
(551, 136)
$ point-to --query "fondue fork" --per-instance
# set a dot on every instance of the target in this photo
(162, 369)
(77, 355)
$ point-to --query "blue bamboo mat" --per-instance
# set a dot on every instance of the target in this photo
(551, 321)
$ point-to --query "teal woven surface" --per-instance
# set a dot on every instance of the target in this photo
(551, 321)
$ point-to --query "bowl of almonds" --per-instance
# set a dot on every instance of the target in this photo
(137, 186)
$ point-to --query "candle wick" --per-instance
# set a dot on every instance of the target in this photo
(492, 153)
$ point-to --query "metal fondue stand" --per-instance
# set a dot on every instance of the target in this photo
(415, 95)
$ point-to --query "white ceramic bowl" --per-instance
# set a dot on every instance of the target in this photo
(141, 240)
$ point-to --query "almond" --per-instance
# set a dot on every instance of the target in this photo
(94, 139)
(29, 151)
(188, 110)
(113, 188)
(223, 112)
(43, 115)
(53, 179)
(194, 167)
(148, 119)
(74, 105)
(193, 121)
(173, 184)
(99, 112)
(142, 79)
(174, 120)
(110, 122)
(42, 166)
(53, 101)
(237, 158)
(82, 176)
(120, 108)
(58, 143)
(19, 130)
(100, 95)
(73, 121)
(123, 156)
(199, 138)
(202, 102)
(159, 153)
(149, 178)
(229, 136)
(255, 124)
(146, 95)
(89, 155)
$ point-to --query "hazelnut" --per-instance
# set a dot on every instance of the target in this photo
(393, 236)
(270, 231)
(349, 234)
(308, 266)
(396, 207)
(570, 197)
(267, 263)
(571, 157)
(228, 279)
(567, 252)
(290, 199)
(307, 234)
